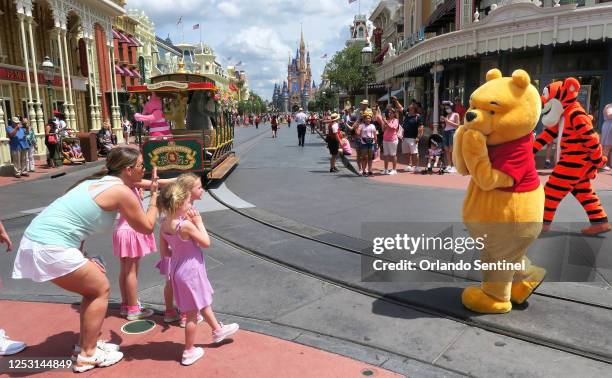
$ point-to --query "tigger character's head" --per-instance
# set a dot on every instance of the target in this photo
(504, 108)
(556, 97)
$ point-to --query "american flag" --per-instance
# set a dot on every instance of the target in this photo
(239, 63)
(351, 1)
(196, 26)
(179, 20)
(324, 56)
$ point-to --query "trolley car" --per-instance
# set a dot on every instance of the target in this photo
(202, 137)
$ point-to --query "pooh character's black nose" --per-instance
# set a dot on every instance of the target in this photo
(470, 116)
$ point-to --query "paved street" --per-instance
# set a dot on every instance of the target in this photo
(306, 292)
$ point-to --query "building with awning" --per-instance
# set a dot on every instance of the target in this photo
(54, 57)
(550, 42)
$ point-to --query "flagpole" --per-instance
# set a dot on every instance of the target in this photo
(200, 27)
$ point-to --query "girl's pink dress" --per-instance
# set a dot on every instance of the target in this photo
(130, 243)
(190, 285)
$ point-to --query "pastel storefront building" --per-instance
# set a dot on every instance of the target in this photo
(460, 40)
(74, 35)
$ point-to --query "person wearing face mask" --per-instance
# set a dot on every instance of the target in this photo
(451, 122)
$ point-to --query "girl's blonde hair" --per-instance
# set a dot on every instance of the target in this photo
(171, 198)
(187, 181)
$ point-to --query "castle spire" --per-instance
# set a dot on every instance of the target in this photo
(302, 45)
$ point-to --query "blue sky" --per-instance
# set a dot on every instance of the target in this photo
(260, 33)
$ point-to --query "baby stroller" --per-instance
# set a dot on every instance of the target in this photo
(435, 155)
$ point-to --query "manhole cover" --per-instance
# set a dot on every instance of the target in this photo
(367, 372)
(137, 326)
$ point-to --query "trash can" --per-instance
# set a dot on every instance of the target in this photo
(57, 156)
(89, 146)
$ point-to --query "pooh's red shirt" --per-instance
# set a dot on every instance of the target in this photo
(516, 159)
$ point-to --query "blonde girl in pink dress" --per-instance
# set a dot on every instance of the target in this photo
(182, 234)
(189, 183)
(130, 246)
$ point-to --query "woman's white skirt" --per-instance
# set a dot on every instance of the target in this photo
(41, 263)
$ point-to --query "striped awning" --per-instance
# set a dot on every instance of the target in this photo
(119, 70)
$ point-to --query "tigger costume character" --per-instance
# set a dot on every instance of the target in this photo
(579, 155)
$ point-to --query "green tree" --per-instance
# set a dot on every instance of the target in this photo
(312, 106)
(345, 70)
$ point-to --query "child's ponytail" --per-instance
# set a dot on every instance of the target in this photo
(171, 197)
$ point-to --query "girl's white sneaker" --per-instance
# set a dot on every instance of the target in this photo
(190, 357)
(225, 331)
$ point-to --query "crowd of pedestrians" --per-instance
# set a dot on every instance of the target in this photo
(398, 130)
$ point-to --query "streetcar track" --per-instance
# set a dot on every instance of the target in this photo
(417, 306)
(357, 252)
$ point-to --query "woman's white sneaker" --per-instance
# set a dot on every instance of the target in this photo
(225, 331)
(101, 344)
(8, 346)
(190, 357)
(99, 359)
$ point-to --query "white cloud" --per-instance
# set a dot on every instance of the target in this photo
(229, 9)
(260, 33)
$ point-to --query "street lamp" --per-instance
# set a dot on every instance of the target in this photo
(435, 70)
(48, 70)
(366, 61)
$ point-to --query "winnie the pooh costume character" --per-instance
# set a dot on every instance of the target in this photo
(504, 203)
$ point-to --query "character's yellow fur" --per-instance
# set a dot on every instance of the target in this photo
(503, 109)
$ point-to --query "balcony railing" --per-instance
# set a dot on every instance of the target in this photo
(483, 13)
(415, 38)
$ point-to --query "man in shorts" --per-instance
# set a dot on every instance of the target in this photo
(413, 128)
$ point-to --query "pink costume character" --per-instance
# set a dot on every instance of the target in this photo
(153, 117)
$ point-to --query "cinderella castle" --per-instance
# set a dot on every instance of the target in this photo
(299, 87)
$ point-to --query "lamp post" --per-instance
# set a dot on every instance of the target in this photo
(48, 70)
(366, 61)
(435, 70)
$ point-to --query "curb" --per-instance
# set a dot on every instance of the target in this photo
(62, 173)
(345, 161)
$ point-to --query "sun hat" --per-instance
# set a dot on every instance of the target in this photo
(364, 102)
(333, 118)
(16, 120)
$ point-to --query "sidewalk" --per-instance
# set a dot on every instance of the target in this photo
(42, 171)
(448, 180)
(245, 354)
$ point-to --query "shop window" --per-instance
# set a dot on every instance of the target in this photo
(575, 61)
(8, 112)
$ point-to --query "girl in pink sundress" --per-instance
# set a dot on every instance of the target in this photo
(191, 183)
(130, 246)
(182, 233)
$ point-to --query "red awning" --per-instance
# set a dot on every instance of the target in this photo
(128, 72)
(134, 42)
(119, 70)
(121, 37)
